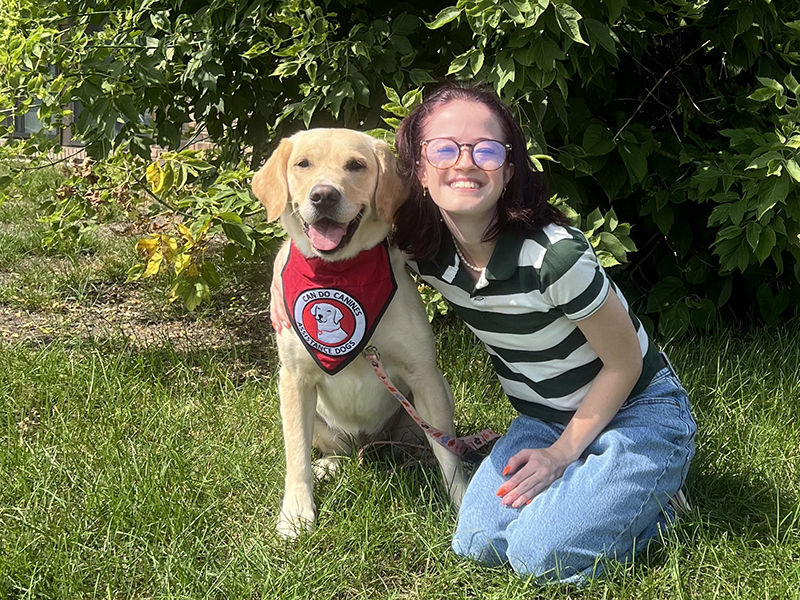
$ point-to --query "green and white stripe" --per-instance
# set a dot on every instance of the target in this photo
(524, 310)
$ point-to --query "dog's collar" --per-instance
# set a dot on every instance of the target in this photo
(349, 296)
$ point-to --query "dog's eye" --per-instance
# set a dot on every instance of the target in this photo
(303, 163)
(355, 165)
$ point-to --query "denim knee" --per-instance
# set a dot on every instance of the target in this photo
(545, 564)
(477, 546)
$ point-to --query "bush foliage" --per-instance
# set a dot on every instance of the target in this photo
(672, 127)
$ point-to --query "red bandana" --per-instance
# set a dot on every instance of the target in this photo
(334, 307)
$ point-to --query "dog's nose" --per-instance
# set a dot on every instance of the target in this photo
(324, 195)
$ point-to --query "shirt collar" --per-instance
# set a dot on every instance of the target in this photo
(502, 265)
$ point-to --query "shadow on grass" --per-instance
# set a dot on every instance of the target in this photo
(752, 508)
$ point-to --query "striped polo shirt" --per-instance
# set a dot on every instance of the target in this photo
(524, 309)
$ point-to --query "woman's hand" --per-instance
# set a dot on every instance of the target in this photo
(533, 472)
(277, 307)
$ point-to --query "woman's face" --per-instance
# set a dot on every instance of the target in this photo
(464, 190)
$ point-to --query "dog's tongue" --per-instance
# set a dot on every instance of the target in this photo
(326, 234)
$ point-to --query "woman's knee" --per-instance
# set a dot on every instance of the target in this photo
(556, 567)
(477, 545)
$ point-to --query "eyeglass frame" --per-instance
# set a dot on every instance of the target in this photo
(461, 147)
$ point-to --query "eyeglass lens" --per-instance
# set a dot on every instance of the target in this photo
(443, 153)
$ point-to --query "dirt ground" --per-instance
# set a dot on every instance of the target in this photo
(119, 315)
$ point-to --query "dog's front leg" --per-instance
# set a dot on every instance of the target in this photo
(298, 407)
(433, 400)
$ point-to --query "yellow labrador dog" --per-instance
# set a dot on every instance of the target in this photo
(336, 191)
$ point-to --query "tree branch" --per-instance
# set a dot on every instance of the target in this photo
(653, 89)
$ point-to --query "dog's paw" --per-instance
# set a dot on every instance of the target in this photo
(325, 467)
(292, 524)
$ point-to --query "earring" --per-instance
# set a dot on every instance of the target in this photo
(424, 190)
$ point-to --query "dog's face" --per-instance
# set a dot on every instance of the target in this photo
(327, 316)
(335, 189)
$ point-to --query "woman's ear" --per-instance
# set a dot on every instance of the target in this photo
(392, 189)
(270, 184)
(508, 173)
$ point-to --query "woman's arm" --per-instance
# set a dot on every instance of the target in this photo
(277, 307)
(612, 336)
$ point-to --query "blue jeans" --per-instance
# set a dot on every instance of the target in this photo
(609, 504)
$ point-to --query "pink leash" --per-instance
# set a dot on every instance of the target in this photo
(463, 447)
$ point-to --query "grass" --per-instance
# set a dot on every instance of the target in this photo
(152, 467)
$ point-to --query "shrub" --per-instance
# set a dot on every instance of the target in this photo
(669, 127)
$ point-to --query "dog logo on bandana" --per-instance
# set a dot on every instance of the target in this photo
(329, 320)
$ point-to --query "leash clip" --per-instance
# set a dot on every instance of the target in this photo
(371, 352)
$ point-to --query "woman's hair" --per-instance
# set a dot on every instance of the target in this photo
(523, 206)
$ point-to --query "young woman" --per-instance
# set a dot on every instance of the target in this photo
(604, 437)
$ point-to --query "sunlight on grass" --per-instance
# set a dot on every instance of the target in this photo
(153, 472)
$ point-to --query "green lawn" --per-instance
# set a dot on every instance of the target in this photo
(141, 456)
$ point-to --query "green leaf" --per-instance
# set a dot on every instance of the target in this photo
(696, 270)
(766, 243)
(674, 323)
(772, 307)
(614, 8)
(444, 17)
(611, 220)
(513, 12)
(193, 290)
(412, 98)
(568, 19)
(730, 232)
(702, 315)
(240, 234)
(610, 243)
(210, 274)
(753, 233)
(420, 77)
(544, 52)
(230, 217)
(665, 294)
(762, 94)
(612, 178)
(476, 62)
(600, 33)
(791, 84)
(459, 62)
(597, 140)
(404, 24)
(257, 49)
(634, 160)
(135, 273)
(160, 20)
(772, 191)
(401, 44)
(594, 221)
(771, 83)
(762, 161)
(733, 254)
(793, 169)
(505, 69)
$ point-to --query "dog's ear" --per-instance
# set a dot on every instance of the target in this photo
(392, 190)
(270, 184)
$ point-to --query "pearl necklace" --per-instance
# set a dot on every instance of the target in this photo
(461, 257)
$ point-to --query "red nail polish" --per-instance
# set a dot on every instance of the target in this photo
(501, 491)
(506, 470)
(528, 502)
